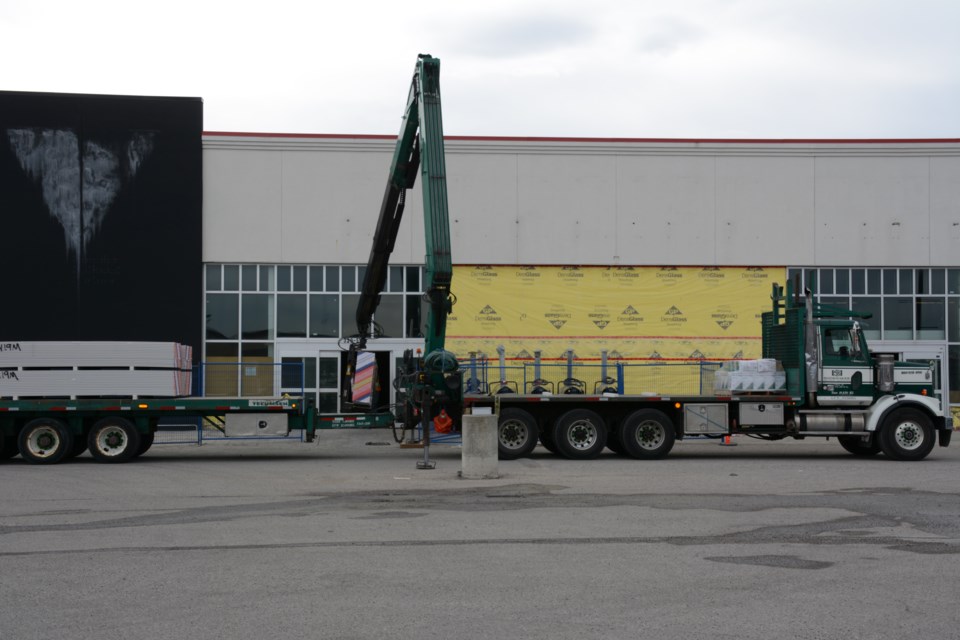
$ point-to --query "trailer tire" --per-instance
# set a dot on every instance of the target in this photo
(907, 434)
(113, 440)
(517, 434)
(45, 441)
(580, 434)
(647, 434)
(79, 446)
(8, 447)
(146, 441)
(856, 445)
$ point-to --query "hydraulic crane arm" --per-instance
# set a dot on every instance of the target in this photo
(428, 390)
(419, 147)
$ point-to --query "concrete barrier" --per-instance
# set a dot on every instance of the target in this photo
(479, 451)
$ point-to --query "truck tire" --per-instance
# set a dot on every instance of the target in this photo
(45, 441)
(907, 434)
(647, 434)
(113, 440)
(857, 446)
(580, 434)
(546, 439)
(517, 434)
(8, 447)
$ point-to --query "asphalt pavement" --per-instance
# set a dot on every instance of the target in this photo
(346, 538)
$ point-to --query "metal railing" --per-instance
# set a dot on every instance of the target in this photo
(625, 378)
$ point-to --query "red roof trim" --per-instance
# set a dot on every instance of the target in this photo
(345, 136)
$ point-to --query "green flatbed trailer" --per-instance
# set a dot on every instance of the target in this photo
(50, 430)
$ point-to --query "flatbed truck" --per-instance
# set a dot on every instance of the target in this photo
(834, 387)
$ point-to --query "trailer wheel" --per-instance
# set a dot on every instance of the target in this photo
(79, 446)
(580, 434)
(517, 433)
(859, 447)
(113, 440)
(146, 441)
(906, 434)
(8, 447)
(647, 434)
(45, 441)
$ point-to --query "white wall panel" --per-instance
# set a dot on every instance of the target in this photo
(665, 211)
(872, 211)
(482, 192)
(764, 210)
(331, 202)
(242, 205)
(944, 211)
(316, 200)
(566, 206)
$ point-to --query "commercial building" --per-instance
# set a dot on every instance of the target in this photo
(645, 249)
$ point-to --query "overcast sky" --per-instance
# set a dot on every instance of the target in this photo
(556, 68)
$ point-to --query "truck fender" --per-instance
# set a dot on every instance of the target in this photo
(882, 407)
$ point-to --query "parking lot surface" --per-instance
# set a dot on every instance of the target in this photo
(346, 538)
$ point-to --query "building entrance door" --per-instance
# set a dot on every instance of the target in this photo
(317, 377)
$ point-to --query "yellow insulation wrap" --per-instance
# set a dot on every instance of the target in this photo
(634, 313)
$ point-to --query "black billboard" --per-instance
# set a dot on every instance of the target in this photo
(100, 217)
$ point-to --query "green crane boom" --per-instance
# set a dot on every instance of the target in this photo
(429, 387)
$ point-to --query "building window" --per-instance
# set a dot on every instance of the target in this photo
(292, 316)
(223, 317)
(256, 317)
(931, 320)
(324, 316)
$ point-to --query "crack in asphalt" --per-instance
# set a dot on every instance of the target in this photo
(934, 514)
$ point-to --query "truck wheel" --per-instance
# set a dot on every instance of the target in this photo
(8, 447)
(546, 439)
(614, 443)
(45, 441)
(580, 434)
(647, 434)
(146, 441)
(516, 433)
(859, 447)
(906, 434)
(113, 440)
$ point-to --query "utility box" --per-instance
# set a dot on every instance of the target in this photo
(761, 413)
(705, 418)
(248, 425)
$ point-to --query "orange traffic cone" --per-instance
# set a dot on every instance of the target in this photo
(727, 441)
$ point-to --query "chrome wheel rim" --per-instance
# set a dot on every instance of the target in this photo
(650, 434)
(909, 435)
(582, 435)
(513, 434)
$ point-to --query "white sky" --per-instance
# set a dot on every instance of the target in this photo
(584, 68)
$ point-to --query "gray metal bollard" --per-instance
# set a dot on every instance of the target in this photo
(479, 457)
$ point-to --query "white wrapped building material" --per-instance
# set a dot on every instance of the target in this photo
(135, 383)
(157, 355)
(95, 369)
